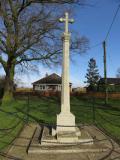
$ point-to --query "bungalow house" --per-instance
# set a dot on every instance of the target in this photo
(51, 82)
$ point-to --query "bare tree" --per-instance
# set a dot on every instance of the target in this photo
(29, 32)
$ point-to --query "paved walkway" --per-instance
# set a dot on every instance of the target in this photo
(18, 149)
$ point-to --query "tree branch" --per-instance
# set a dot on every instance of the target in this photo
(2, 34)
(15, 22)
(48, 56)
(4, 64)
(26, 3)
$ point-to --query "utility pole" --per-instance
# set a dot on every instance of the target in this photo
(105, 72)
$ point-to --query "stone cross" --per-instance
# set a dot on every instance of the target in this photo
(65, 118)
(65, 96)
(66, 131)
(67, 21)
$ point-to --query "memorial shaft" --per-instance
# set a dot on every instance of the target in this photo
(65, 118)
(65, 97)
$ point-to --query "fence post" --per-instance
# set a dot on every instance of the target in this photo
(93, 109)
(28, 105)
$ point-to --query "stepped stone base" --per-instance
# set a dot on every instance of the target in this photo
(67, 137)
(44, 142)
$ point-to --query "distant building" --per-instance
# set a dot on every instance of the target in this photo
(51, 82)
(79, 89)
(110, 81)
(113, 84)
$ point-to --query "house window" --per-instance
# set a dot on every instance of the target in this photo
(41, 87)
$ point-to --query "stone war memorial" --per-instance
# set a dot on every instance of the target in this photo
(65, 139)
(66, 130)
(66, 136)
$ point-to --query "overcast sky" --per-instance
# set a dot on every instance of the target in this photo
(93, 22)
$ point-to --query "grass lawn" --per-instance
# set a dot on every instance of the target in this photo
(44, 110)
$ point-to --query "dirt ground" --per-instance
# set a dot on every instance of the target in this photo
(18, 149)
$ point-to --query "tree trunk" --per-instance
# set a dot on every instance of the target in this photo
(9, 85)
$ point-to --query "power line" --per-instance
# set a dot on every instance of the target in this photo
(115, 15)
(94, 46)
(114, 18)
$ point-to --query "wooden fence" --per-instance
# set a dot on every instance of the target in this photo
(112, 95)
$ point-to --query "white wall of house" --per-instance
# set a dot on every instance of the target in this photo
(79, 89)
(46, 87)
